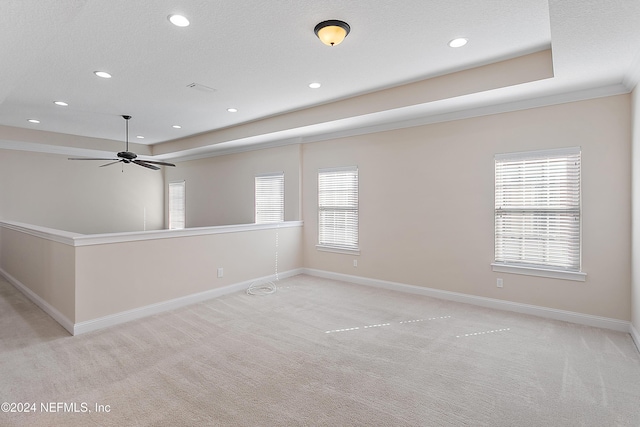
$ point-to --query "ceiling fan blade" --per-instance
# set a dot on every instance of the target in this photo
(146, 165)
(153, 162)
(127, 156)
(89, 158)
(112, 163)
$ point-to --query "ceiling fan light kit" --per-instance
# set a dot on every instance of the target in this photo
(127, 156)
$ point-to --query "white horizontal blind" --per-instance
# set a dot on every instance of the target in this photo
(176, 205)
(270, 198)
(537, 209)
(338, 208)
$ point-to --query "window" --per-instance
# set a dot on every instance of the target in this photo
(338, 209)
(538, 213)
(270, 198)
(176, 205)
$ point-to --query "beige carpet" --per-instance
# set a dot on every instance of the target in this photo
(318, 353)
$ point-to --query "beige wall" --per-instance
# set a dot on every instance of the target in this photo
(220, 190)
(426, 214)
(426, 204)
(79, 196)
(635, 196)
(112, 278)
(45, 267)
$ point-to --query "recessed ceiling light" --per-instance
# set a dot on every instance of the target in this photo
(459, 42)
(314, 85)
(102, 74)
(232, 110)
(33, 121)
(140, 137)
(177, 127)
(178, 20)
(61, 103)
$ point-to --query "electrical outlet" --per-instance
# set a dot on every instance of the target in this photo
(220, 272)
(499, 283)
(355, 262)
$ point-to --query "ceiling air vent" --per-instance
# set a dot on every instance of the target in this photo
(201, 88)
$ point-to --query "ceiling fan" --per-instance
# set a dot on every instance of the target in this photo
(127, 156)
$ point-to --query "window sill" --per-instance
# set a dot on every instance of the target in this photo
(577, 276)
(338, 250)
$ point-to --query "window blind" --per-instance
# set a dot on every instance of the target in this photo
(176, 205)
(537, 209)
(338, 208)
(269, 190)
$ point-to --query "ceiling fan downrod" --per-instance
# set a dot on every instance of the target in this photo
(126, 153)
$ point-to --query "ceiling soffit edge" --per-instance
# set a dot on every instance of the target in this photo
(380, 125)
(515, 71)
(381, 122)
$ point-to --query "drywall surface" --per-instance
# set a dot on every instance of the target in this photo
(79, 196)
(635, 197)
(426, 204)
(113, 278)
(510, 72)
(221, 190)
(45, 267)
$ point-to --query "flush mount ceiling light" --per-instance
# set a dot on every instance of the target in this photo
(459, 42)
(178, 20)
(232, 110)
(33, 121)
(102, 74)
(61, 103)
(332, 32)
(176, 127)
(314, 85)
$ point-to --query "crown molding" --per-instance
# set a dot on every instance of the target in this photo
(497, 101)
(460, 108)
(632, 77)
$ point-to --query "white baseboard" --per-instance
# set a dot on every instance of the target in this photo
(136, 313)
(148, 310)
(549, 313)
(37, 300)
(635, 335)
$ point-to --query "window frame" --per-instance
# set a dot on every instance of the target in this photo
(502, 263)
(280, 180)
(336, 246)
(174, 184)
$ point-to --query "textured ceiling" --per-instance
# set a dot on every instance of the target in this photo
(260, 56)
